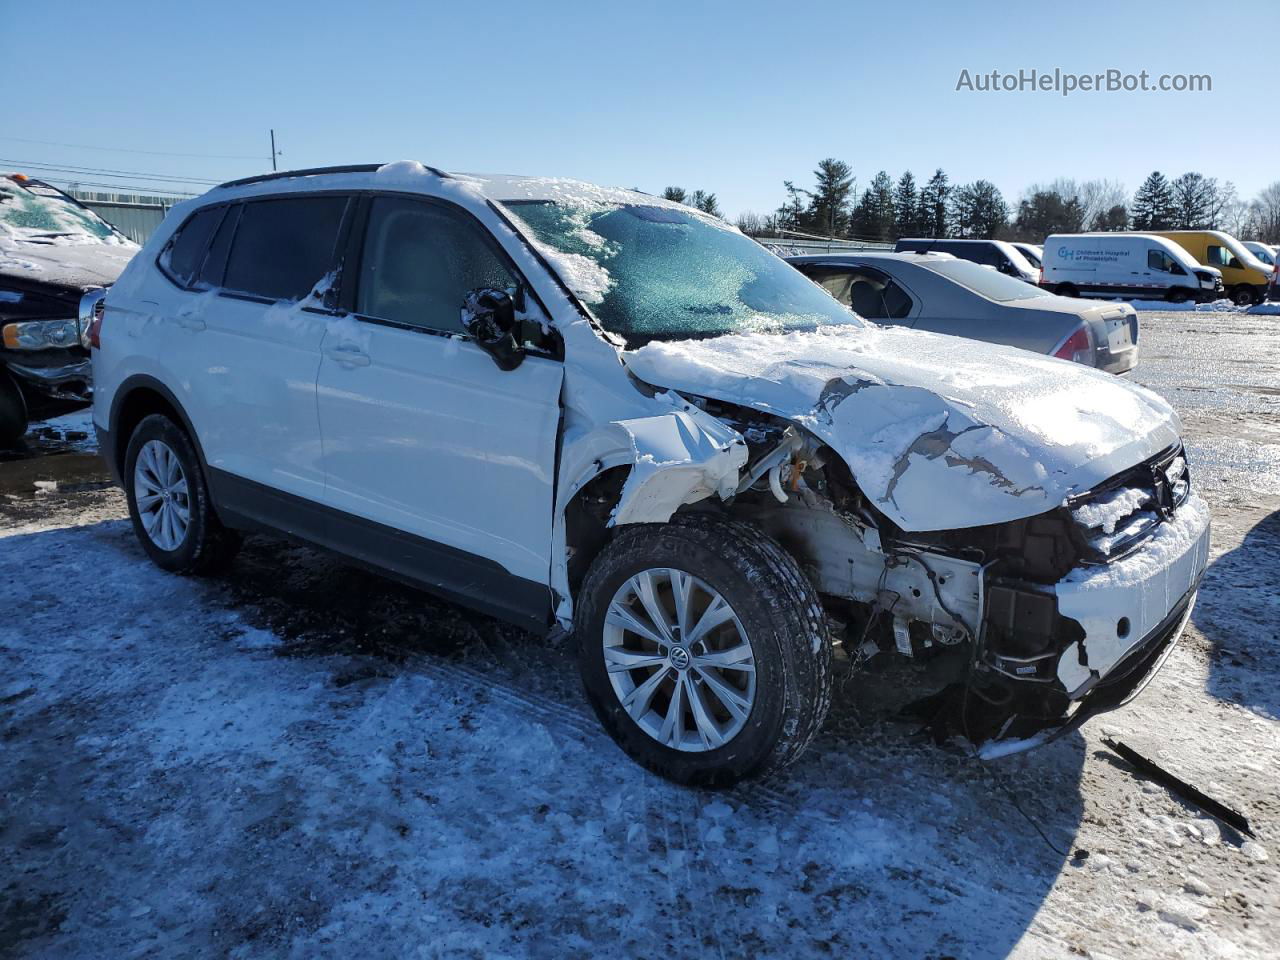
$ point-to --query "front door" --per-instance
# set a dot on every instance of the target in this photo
(439, 466)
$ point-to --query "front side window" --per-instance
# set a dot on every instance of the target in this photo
(283, 248)
(653, 272)
(420, 262)
(1219, 256)
(1159, 260)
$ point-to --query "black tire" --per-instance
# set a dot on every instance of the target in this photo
(1179, 295)
(207, 546)
(784, 622)
(1066, 290)
(13, 411)
(1244, 296)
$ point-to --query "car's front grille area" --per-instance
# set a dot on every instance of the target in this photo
(1113, 519)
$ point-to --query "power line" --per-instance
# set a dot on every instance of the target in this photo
(101, 171)
(121, 188)
(153, 153)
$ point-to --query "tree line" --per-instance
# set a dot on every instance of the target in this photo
(887, 209)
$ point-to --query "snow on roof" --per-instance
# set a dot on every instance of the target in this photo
(496, 187)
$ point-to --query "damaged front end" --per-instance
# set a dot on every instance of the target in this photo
(1055, 617)
(1035, 520)
(1081, 606)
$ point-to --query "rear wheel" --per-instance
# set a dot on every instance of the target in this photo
(169, 502)
(704, 650)
(1066, 290)
(13, 410)
(1244, 296)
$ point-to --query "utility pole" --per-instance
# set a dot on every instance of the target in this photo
(273, 148)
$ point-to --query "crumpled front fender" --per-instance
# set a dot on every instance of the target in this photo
(681, 457)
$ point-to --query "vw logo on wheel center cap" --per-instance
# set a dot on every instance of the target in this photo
(679, 658)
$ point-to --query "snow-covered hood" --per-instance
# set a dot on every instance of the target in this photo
(940, 432)
(79, 265)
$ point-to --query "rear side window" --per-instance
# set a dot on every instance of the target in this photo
(215, 263)
(185, 252)
(420, 262)
(283, 248)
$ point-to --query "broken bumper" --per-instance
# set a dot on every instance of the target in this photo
(1129, 678)
(1118, 605)
(1132, 612)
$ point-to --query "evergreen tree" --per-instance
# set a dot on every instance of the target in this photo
(873, 219)
(1115, 218)
(979, 211)
(1153, 207)
(828, 212)
(674, 193)
(706, 202)
(935, 198)
(1047, 212)
(1195, 201)
(790, 216)
(906, 207)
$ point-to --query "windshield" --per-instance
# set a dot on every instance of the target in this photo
(35, 212)
(661, 273)
(1029, 252)
(984, 281)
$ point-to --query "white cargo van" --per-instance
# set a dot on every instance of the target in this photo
(1126, 265)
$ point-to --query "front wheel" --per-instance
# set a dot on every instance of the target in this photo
(169, 502)
(704, 650)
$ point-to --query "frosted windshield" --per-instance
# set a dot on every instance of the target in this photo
(661, 273)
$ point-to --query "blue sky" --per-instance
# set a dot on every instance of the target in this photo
(729, 97)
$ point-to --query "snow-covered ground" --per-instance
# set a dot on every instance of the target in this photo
(1270, 308)
(300, 759)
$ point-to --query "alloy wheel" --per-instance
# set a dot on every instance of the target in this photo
(161, 494)
(679, 660)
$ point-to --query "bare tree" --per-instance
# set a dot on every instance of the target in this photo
(1266, 214)
(752, 224)
(1095, 197)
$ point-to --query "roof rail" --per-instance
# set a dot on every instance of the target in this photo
(315, 171)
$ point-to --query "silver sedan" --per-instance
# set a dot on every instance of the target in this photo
(941, 293)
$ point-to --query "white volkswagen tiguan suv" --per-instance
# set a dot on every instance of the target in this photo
(569, 405)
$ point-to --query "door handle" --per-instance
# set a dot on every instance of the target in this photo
(191, 323)
(349, 355)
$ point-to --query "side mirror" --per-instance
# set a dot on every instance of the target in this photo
(489, 316)
(1235, 264)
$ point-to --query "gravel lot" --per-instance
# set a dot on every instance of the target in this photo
(302, 760)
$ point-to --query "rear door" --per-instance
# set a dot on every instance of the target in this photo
(259, 342)
(246, 350)
(439, 466)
